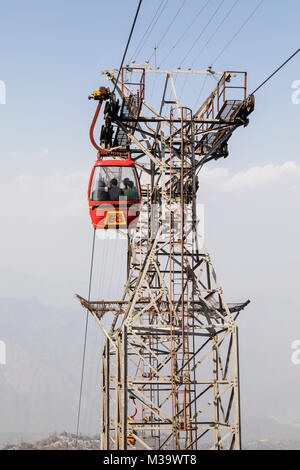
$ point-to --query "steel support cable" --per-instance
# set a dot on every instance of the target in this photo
(208, 41)
(91, 379)
(153, 87)
(201, 91)
(97, 343)
(98, 338)
(85, 336)
(182, 88)
(215, 31)
(185, 31)
(168, 28)
(238, 31)
(202, 31)
(144, 38)
(277, 70)
(128, 42)
(185, 82)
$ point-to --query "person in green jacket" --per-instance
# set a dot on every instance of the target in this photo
(130, 192)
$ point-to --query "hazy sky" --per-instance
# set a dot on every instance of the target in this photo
(51, 54)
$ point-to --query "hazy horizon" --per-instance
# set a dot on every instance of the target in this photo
(50, 63)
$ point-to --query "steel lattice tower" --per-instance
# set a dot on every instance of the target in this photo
(172, 345)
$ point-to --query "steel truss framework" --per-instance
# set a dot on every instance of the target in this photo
(172, 345)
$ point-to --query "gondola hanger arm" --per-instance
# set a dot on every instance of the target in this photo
(99, 95)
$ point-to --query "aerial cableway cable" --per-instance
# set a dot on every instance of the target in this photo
(215, 31)
(145, 35)
(128, 42)
(202, 31)
(198, 37)
(185, 31)
(238, 31)
(93, 248)
(275, 71)
(168, 28)
(85, 337)
(208, 41)
(201, 90)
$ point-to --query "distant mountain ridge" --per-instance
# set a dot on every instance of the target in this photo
(39, 385)
(67, 441)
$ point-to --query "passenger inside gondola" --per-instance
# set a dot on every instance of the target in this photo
(130, 191)
(108, 185)
(115, 192)
(100, 194)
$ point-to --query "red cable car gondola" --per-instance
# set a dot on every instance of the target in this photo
(114, 192)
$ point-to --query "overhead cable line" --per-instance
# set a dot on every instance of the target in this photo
(93, 245)
(277, 70)
(185, 31)
(153, 26)
(143, 39)
(215, 31)
(238, 31)
(169, 26)
(201, 90)
(85, 337)
(202, 31)
(210, 20)
(128, 41)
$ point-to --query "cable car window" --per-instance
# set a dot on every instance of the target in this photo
(113, 182)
